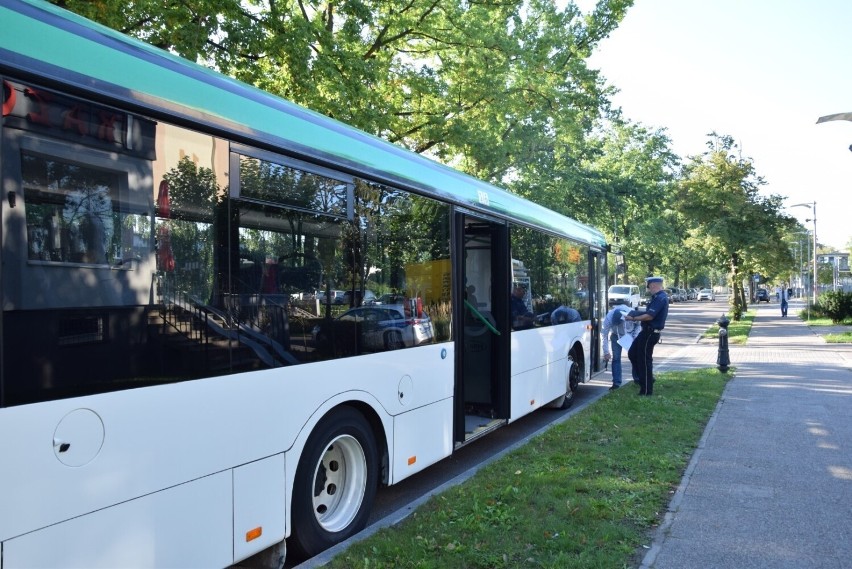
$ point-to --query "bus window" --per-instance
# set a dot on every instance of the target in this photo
(405, 259)
(553, 272)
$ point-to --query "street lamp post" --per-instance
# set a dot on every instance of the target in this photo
(798, 281)
(812, 205)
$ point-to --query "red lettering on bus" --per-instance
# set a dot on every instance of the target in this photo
(71, 120)
(11, 95)
(106, 130)
(41, 99)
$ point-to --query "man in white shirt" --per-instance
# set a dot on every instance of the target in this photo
(616, 332)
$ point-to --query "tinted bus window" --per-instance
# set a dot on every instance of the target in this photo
(404, 264)
(552, 273)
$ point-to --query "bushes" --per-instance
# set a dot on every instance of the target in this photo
(836, 305)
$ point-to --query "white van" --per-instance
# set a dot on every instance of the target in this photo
(628, 293)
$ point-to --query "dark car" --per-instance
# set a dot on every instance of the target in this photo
(762, 295)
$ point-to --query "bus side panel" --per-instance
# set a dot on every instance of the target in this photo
(539, 364)
(185, 526)
(259, 502)
(531, 352)
(422, 437)
(140, 441)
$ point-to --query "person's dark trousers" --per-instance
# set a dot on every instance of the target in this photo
(783, 308)
(641, 355)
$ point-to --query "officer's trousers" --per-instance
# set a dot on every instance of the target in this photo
(641, 355)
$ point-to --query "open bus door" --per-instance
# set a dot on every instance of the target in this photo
(483, 336)
(597, 305)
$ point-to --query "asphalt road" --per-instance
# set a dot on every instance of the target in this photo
(686, 321)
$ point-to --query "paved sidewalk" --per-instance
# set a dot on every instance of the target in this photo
(770, 485)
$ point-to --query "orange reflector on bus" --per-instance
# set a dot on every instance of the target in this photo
(254, 534)
(412, 460)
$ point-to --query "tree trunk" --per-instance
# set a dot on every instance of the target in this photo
(737, 301)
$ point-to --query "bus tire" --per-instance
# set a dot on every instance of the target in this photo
(576, 371)
(335, 483)
(571, 382)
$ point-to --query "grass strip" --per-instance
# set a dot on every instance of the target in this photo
(738, 331)
(844, 337)
(841, 338)
(586, 493)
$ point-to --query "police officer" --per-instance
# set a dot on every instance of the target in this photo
(653, 321)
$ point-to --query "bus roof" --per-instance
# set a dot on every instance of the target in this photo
(41, 41)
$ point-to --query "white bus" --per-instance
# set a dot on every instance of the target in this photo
(180, 385)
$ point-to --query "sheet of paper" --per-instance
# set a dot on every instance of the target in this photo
(626, 341)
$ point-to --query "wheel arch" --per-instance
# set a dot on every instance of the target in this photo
(578, 353)
(380, 424)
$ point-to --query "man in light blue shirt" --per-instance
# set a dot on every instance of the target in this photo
(564, 314)
(613, 329)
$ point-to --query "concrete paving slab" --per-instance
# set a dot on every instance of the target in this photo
(771, 481)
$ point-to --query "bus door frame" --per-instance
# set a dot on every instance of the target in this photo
(597, 307)
(500, 280)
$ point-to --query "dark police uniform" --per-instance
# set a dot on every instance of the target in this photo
(641, 352)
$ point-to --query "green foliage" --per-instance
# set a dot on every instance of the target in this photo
(737, 307)
(193, 193)
(501, 90)
(738, 329)
(739, 227)
(587, 493)
(836, 305)
(488, 86)
(841, 338)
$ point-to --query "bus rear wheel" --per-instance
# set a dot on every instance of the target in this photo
(572, 381)
(575, 374)
(335, 483)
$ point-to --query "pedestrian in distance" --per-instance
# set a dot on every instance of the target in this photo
(616, 332)
(783, 294)
(653, 320)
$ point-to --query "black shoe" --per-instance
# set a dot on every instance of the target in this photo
(614, 387)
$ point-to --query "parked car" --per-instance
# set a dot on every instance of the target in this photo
(674, 295)
(706, 294)
(391, 298)
(762, 295)
(628, 293)
(369, 298)
(376, 328)
(336, 296)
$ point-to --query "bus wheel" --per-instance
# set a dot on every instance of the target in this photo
(571, 382)
(575, 372)
(335, 484)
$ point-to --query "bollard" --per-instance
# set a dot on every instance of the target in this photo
(723, 360)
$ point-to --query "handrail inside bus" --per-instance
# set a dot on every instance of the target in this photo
(479, 315)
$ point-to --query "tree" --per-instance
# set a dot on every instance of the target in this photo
(738, 226)
(487, 86)
(623, 184)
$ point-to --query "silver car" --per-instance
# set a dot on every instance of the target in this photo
(379, 327)
(706, 294)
